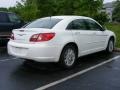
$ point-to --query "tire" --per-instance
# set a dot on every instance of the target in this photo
(110, 46)
(68, 57)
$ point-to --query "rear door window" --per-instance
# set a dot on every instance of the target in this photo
(78, 24)
(93, 25)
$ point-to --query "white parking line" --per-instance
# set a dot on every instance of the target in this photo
(8, 59)
(76, 74)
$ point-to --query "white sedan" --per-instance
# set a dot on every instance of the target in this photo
(60, 39)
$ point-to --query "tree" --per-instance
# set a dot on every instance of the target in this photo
(45, 8)
(32, 9)
(27, 10)
(89, 7)
(116, 12)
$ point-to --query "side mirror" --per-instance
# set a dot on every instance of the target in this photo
(103, 28)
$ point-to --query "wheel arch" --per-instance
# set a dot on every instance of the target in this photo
(70, 43)
(111, 37)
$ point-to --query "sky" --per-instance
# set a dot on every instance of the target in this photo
(10, 3)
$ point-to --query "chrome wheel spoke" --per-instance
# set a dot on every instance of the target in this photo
(69, 57)
(111, 46)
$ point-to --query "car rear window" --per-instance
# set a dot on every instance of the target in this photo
(48, 23)
(13, 18)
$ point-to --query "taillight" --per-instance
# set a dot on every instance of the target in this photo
(12, 36)
(42, 37)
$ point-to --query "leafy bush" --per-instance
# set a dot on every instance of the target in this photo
(32, 9)
(101, 18)
(115, 27)
(116, 12)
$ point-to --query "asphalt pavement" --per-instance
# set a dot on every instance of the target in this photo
(18, 74)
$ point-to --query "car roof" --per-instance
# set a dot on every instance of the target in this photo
(70, 17)
(66, 19)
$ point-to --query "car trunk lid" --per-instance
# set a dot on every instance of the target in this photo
(23, 35)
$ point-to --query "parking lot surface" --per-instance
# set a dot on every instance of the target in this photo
(17, 74)
(106, 77)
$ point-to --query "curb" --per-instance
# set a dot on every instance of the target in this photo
(117, 49)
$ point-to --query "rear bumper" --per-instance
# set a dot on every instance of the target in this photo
(36, 52)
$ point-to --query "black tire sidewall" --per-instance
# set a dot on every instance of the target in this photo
(62, 58)
(108, 46)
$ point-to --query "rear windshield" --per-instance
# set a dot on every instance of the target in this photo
(48, 23)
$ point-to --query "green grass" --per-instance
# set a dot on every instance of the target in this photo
(115, 27)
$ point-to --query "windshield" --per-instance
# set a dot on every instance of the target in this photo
(48, 23)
